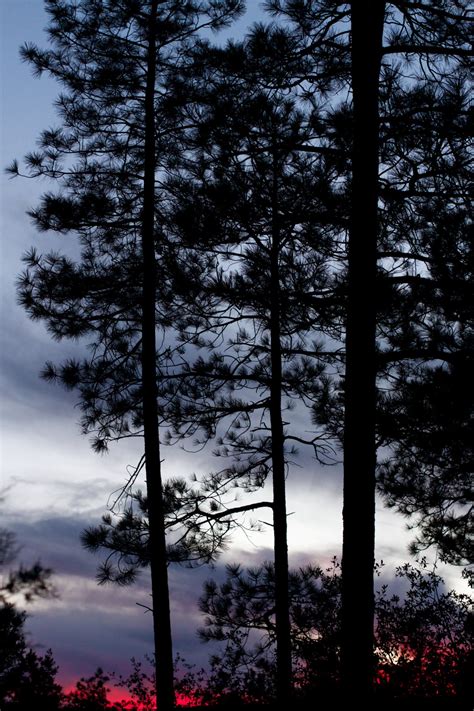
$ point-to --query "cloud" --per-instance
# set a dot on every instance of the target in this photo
(82, 640)
(90, 625)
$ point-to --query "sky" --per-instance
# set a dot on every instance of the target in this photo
(52, 483)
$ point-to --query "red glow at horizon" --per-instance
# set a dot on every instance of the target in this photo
(116, 695)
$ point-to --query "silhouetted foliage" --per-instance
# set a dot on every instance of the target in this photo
(311, 180)
(264, 251)
(429, 476)
(424, 636)
(28, 582)
(27, 678)
(139, 685)
(116, 62)
(90, 694)
(371, 38)
(196, 521)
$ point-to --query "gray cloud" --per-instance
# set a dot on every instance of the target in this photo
(55, 541)
(83, 640)
(90, 626)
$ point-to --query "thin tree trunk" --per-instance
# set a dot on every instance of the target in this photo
(282, 615)
(157, 541)
(367, 18)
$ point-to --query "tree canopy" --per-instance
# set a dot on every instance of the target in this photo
(268, 236)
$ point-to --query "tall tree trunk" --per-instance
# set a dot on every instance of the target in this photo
(367, 18)
(157, 541)
(282, 614)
